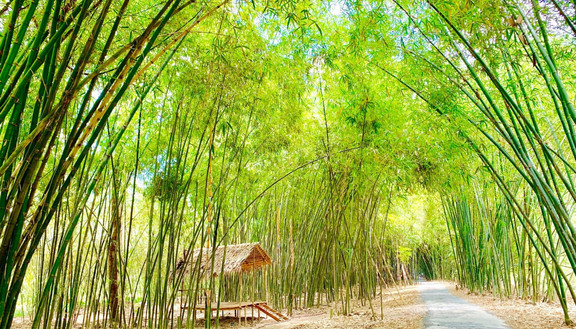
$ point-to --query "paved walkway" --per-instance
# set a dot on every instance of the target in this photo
(446, 311)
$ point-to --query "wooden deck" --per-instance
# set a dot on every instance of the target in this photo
(239, 306)
(228, 306)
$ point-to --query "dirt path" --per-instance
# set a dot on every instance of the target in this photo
(448, 311)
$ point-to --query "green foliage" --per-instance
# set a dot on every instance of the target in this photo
(359, 142)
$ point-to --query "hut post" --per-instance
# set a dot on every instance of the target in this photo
(253, 285)
(265, 284)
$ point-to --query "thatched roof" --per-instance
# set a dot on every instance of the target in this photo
(237, 258)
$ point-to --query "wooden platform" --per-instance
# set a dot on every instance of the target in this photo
(238, 306)
(227, 306)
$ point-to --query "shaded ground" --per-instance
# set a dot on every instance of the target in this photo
(448, 311)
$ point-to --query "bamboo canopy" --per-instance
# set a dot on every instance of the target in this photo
(236, 258)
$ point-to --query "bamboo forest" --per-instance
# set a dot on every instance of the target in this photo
(287, 164)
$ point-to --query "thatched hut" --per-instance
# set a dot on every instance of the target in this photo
(229, 259)
(236, 258)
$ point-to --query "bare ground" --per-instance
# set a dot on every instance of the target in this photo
(409, 312)
(517, 313)
(403, 309)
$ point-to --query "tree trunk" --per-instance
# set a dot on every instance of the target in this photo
(113, 252)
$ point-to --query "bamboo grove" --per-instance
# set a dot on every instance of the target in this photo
(361, 143)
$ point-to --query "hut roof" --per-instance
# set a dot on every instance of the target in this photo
(237, 258)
